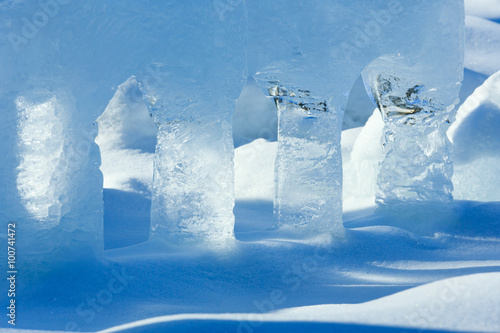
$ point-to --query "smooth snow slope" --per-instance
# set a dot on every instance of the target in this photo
(265, 272)
(482, 45)
(432, 306)
(489, 9)
(476, 142)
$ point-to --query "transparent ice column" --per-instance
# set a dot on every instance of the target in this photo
(290, 58)
(417, 108)
(191, 94)
(308, 176)
(193, 187)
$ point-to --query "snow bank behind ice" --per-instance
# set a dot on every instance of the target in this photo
(482, 45)
(476, 142)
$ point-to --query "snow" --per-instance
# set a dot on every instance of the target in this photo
(482, 45)
(427, 306)
(489, 9)
(254, 116)
(381, 278)
(362, 164)
(254, 170)
(388, 275)
(424, 307)
(476, 140)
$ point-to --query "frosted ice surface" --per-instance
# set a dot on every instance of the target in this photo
(191, 92)
(51, 184)
(308, 57)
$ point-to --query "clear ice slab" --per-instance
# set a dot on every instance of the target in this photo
(191, 96)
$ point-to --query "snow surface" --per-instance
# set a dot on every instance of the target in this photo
(489, 9)
(388, 276)
(482, 45)
(430, 306)
(381, 278)
(476, 142)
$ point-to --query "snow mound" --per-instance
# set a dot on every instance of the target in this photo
(254, 170)
(361, 168)
(489, 9)
(482, 45)
(127, 139)
(437, 305)
(476, 140)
